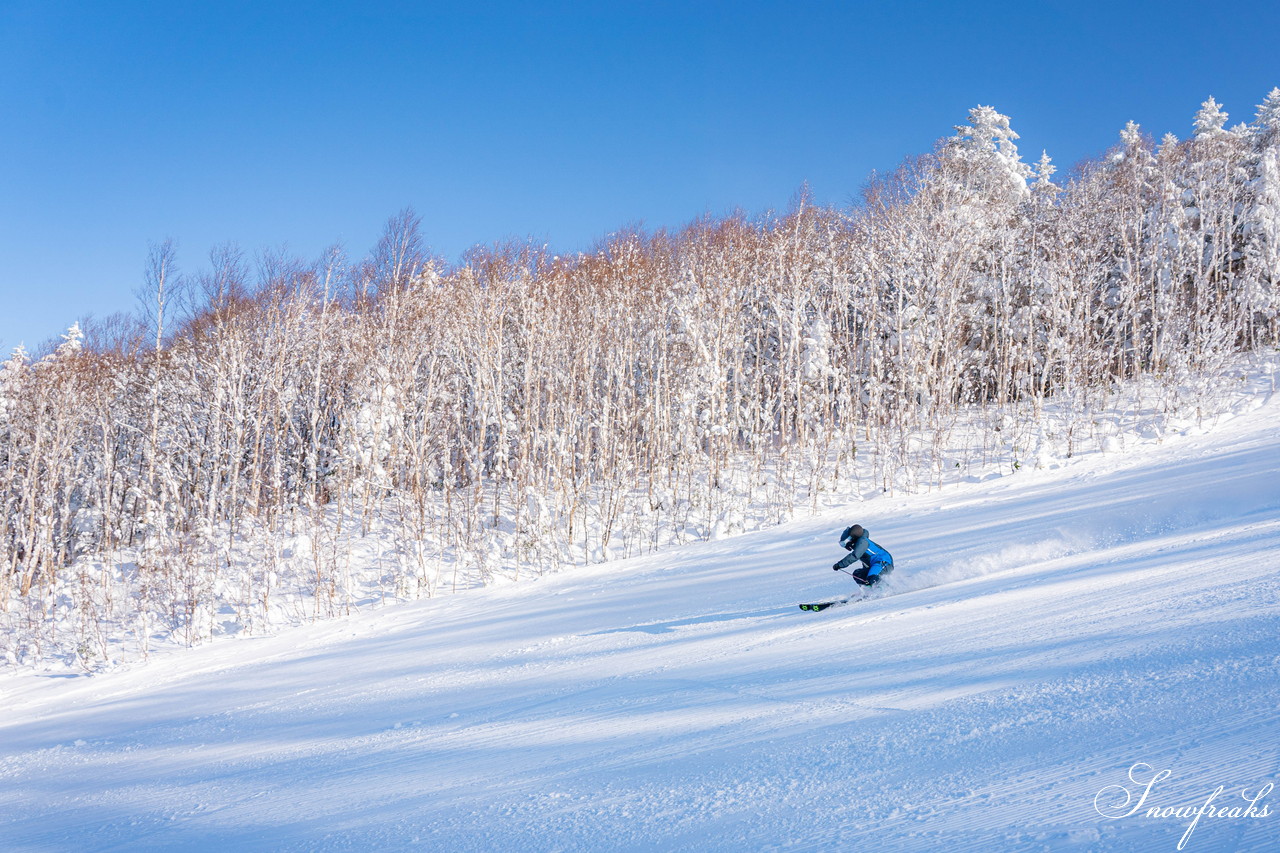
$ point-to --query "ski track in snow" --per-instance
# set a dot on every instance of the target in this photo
(1042, 634)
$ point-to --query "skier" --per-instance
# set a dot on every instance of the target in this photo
(876, 561)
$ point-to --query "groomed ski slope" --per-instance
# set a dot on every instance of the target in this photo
(1043, 633)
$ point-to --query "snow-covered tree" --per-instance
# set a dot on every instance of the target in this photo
(1210, 120)
(1262, 224)
(983, 156)
(1044, 172)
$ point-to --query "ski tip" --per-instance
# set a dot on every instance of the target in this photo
(820, 605)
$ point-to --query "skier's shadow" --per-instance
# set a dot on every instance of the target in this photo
(671, 627)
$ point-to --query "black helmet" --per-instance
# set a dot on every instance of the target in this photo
(857, 532)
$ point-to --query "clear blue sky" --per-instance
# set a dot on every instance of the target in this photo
(300, 125)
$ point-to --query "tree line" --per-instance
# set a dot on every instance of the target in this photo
(219, 458)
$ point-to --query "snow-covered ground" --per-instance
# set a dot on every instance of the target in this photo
(1050, 641)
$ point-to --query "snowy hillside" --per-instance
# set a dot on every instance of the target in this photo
(1043, 634)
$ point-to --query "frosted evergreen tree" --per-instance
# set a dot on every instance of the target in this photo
(1267, 123)
(13, 377)
(1210, 120)
(1044, 171)
(975, 239)
(1215, 197)
(986, 151)
(1262, 225)
(1131, 136)
(72, 342)
(1134, 153)
(12, 373)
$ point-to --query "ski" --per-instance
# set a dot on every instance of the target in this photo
(823, 605)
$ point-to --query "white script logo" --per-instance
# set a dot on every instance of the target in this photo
(1108, 803)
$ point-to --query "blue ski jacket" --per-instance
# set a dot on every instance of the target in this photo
(871, 554)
